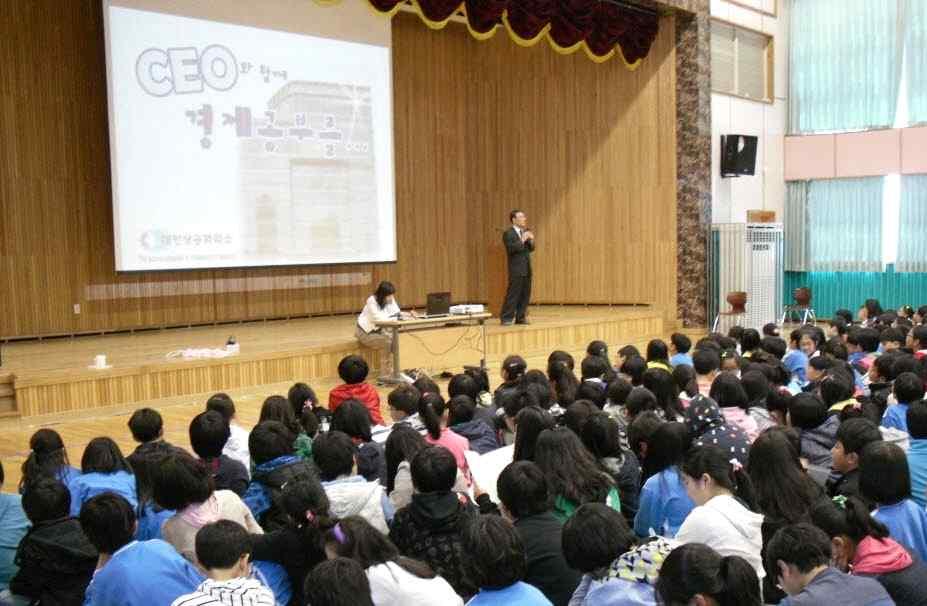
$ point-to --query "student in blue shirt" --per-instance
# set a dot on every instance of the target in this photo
(917, 452)
(664, 503)
(908, 388)
(103, 469)
(884, 479)
(131, 573)
(13, 527)
(496, 564)
(47, 458)
(679, 347)
(795, 360)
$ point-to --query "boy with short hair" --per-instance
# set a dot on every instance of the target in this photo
(237, 445)
(353, 371)
(907, 388)
(403, 405)
(799, 555)
(223, 549)
(147, 429)
(348, 493)
(209, 433)
(917, 451)
(707, 363)
(679, 347)
(917, 341)
(131, 573)
(891, 339)
(852, 436)
(56, 561)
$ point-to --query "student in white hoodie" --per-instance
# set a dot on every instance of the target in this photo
(722, 493)
(395, 580)
(348, 493)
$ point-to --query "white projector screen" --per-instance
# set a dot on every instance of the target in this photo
(248, 133)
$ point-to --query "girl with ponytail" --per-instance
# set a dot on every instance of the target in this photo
(861, 545)
(723, 495)
(697, 574)
(47, 459)
(433, 413)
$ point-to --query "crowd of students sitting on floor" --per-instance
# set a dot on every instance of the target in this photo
(745, 469)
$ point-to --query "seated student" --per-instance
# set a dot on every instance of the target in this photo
(497, 565)
(349, 493)
(208, 435)
(530, 422)
(861, 546)
(774, 346)
(525, 499)
(808, 414)
(598, 543)
(237, 446)
(353, 370)
(353, 419)
(722, 493)
(697, 574)
(892, 339)
(601, 435)
(13, 526)
(103, 469)
(706, 362)
(799, 555)
(770, 329)
(679, 347)
(626, 353)
(433, 412)
(461, 419)
(302, 399)
(837, 327)
(402, 405)
(662, 385)
(338, 582)
(730, 362)
(836, 390)
(664, 503)
(147, 429)
(862, 345)
(596, 370)
(47, 458)
(731, 398)
(749, 343)
(276, 465)
(223, 549)
(881, 376)
(640, 432)
(852, 436)
(917, 452)
(55, 559)
(512, 372)
(430, 527)
(131, 573)
(616, 396)
(817, 369)
(474, 382)
(684, 377)
(394, 579)
(706, 425)
(756, 387)
(796, 360)
(278, 408)
(885, 481)
(562, 380)
(658, 355)
(633, 370)
(907, 388)
(916, 341)
(184, 485)
(572, 473)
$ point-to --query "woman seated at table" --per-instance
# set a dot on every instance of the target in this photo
(380, 306)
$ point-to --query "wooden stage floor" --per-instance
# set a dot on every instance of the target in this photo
(54, 387)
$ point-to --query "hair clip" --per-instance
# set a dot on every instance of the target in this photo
(840, 501)
(339, 534)
(736, 465)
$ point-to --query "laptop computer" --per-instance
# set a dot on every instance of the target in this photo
(438, 305)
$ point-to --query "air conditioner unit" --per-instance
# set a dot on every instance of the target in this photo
(745, 257)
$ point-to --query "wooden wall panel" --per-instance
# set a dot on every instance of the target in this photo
(588, 151)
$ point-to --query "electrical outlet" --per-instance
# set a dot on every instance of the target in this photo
(77, 308)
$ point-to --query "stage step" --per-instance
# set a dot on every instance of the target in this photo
(7, 396)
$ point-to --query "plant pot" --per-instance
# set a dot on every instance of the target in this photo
(738, 301)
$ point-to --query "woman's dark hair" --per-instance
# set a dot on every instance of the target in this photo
(629, 351)
(102, 455)
(46, 457)
(523, 490)
(617, 392)
(460, 410)
(594, 367)
(807, 411)
(496, 554)
(640, 400)
(755, 385)
(353, 418)
(695, 568)
(480, 376)
(463, 385)
(783, 490)
(208, 433)
(634, 367)
(384, 289)
(558, 355)
(642, 429)
(514, 367)
(223, 404)
(425, 385)
(684, 376)
(601, 436)
(884, 476)
(594, 537)
(357, 539)
(278, 408)
(180, 480)
(728, 392)
(301, 396)
(850, 517)
(564, 382)
(514, 401)
(570, 469)
(713, 461)
(657, 351)
(598, 348)
(574, 417)
(402, 444)
(663, 387)
(334, 454)
(434, 469)
(592, 391)
(665, 448)
(873, 308)
(338, 582)
(307, 505)
(309, 422)
(749, 340)
(529, 423)
(46, 499)
(537, 382)
(108, 521)
(269, 440)
(835, 387)
(431, 408)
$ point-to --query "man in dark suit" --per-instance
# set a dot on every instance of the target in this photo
(519, 244)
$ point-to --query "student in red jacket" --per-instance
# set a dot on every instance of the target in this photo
(353, 371)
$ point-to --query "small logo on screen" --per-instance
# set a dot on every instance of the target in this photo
(154, 240)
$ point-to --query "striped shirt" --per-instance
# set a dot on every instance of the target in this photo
(234, 592)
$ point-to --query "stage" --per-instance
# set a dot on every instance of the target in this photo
(52, 377)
